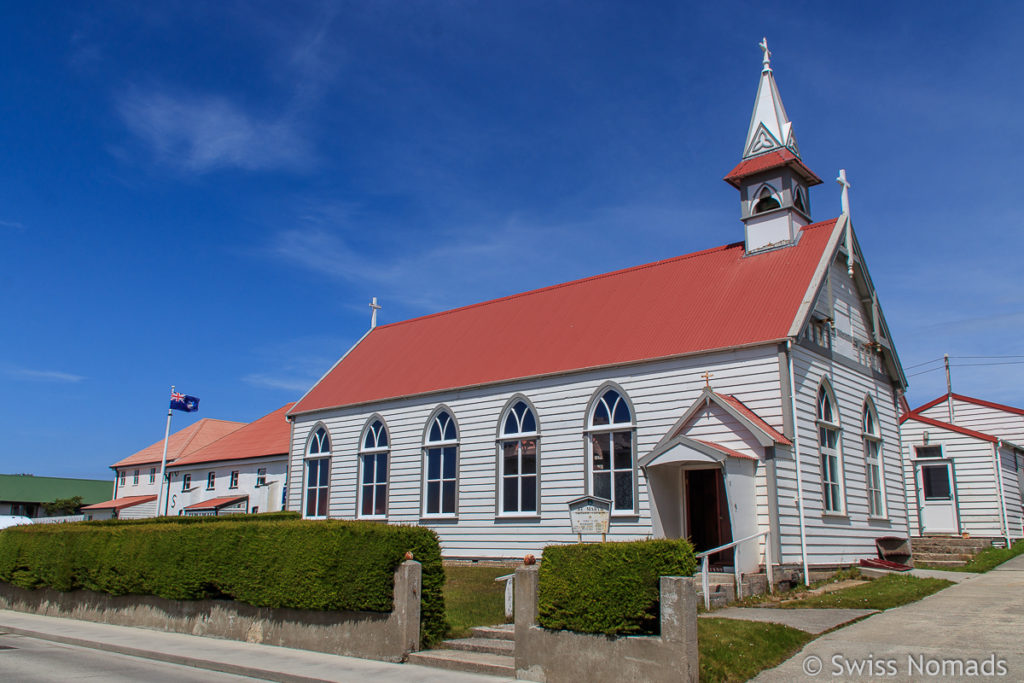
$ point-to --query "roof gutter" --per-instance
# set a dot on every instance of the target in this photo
(796, 461)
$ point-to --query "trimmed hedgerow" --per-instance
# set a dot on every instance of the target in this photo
(609, 588)
(300, 564)
(198, 519)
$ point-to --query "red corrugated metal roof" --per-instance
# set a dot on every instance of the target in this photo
(215, 503)
(753, 417)
(120, 503)
(764, 162)
(182, 442)
(946, 425)
(713, 299)
(268, 435)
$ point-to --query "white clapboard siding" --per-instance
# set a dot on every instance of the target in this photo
(141, 511)
(144, 488)
(977, 495)
(1011, 461)
(985, 419)
(659, 391)
(837, 539)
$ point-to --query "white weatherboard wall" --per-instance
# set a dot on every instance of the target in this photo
(145, 487)
(140, 511)
(974, 479)
(660, 392)
(984, 419)
(268, 498)
(853, 377)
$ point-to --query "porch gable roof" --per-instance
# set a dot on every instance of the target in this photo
(684, 449)
(765, 434)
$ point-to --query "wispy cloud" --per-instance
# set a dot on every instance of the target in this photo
(205, 133)
(13, 225)
(296, 384)
(42, 375)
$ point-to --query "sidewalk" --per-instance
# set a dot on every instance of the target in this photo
(246, 659)
(972, 630)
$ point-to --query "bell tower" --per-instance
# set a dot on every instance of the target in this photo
(772, 180)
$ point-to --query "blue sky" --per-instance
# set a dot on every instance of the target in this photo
(208, 194)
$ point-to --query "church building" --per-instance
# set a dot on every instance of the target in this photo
(747, 390)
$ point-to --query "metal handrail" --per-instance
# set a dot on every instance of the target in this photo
(738, 577)
(509, 580)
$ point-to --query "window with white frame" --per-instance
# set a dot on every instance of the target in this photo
(441, 471)
(261, 476)
(152, 475)
(873, 462)
(121, 477)
(518, 463)
(612, 465)
(211, 480)
(829, 448)
(318, 473)
(373, 460)
(186, 482)
(135, 478)
(233, 482)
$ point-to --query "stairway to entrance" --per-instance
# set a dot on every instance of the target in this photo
(946, 551)
(488, 650)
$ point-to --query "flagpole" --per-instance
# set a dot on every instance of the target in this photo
(161, 497)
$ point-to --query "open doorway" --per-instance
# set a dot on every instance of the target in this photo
(707, 513)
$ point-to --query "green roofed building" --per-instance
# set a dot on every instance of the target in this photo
(24, 494)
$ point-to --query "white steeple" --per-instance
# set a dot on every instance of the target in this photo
(770, 128)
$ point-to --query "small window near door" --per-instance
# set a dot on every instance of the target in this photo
(261, 476)
(935, 482)
(928, 451)
(233, 484)
(211, 481)
(186, 482)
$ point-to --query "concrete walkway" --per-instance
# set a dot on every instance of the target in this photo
(246, 659)
(809, 620)
(970, 631)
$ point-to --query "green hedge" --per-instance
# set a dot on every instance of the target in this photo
(300, 564)
(609, 588)
(197, 519)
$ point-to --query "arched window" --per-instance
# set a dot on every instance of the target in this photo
(766, 200)
(829, 448)
(517, 492)
(441, 467)
(611, 464)
(873, 461)
(373, 462)
(798, 199)
(318, 473)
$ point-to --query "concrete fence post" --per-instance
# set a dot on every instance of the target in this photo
(679, 622)
(406, 610)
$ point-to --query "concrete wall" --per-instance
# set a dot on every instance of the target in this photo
(371, 635)
(554, 656)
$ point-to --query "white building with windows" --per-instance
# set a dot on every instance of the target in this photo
(242, 472)
(964, 468)
(746, 388)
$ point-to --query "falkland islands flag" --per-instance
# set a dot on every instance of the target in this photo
(189, 404)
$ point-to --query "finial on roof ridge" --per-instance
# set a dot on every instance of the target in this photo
(767, 60)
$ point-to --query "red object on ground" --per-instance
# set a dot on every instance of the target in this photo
(876, 563)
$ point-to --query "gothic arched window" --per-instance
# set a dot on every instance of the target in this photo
(830, 450)
(373, 465)
(766, 200)
(318, 473)
(441, 466)
(518, 461)
(612, 465)
(873, 461)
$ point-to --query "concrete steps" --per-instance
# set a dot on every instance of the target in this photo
(489, 650)
(947, 551)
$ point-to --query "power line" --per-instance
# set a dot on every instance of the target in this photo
(983, 365)
(996, 357)
(915, 374)
(917, 365)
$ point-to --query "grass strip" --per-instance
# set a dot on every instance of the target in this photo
(889, 591)
(473, 598)
(987, 559)
(734, 650)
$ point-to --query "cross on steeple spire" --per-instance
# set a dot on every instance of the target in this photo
(374, 306)
(767, 55)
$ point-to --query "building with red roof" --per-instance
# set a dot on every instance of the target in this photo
(243, 472)
(745, 391)
(964, 468)
(138, 474)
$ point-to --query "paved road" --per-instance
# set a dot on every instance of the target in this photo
(29, 660)
(971, 631)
